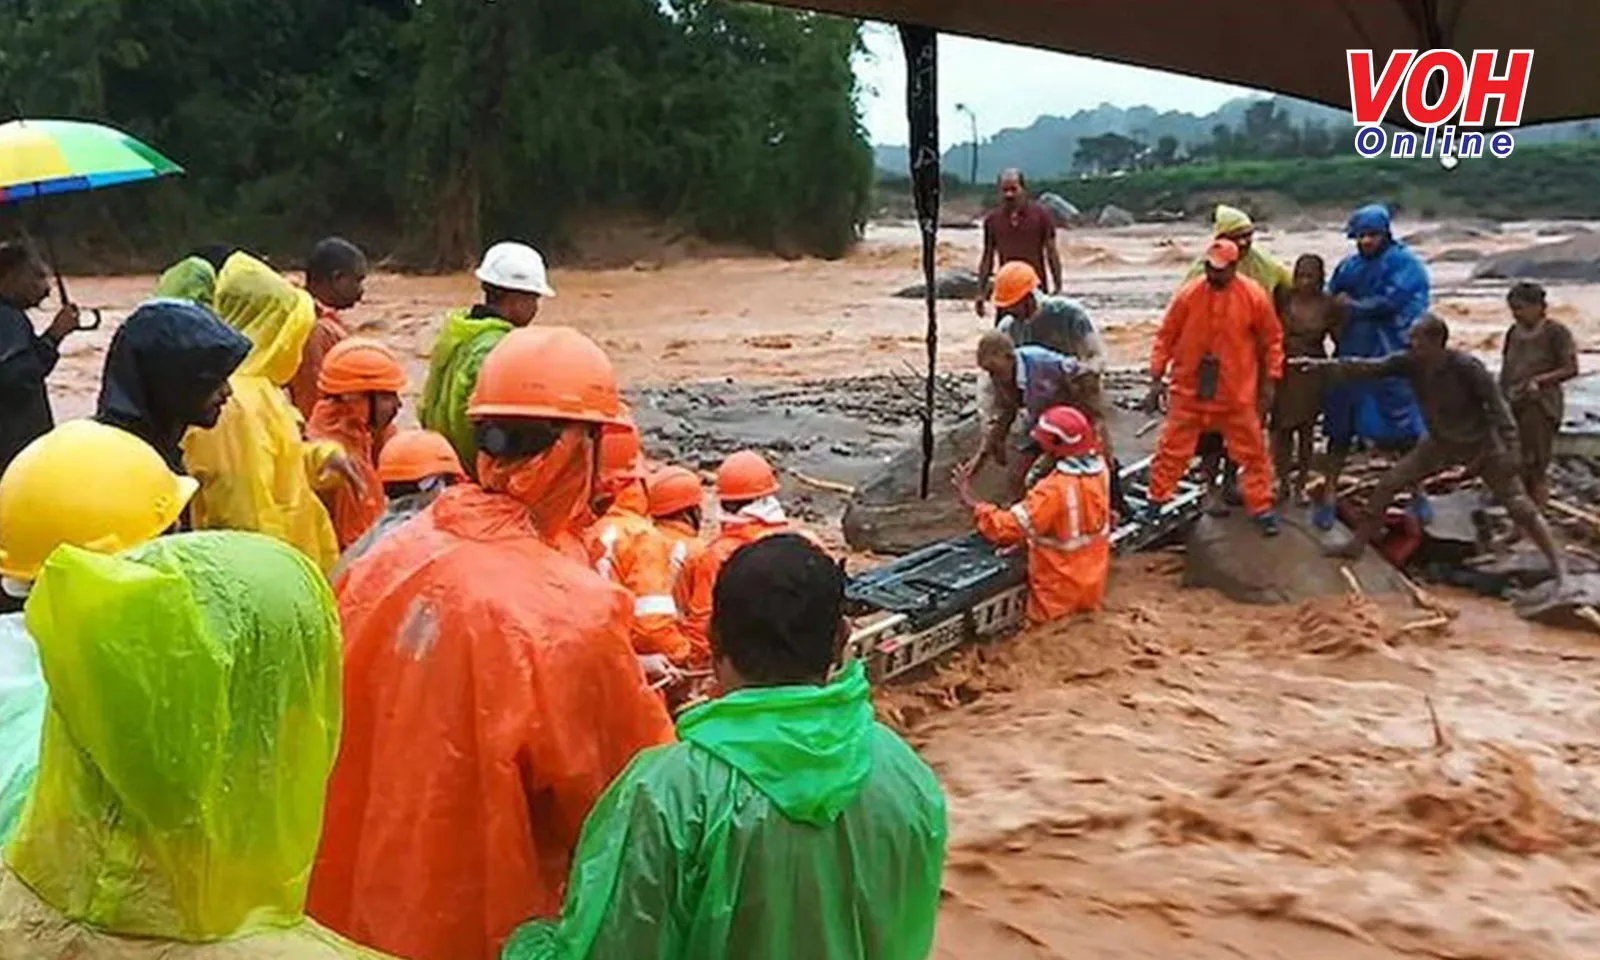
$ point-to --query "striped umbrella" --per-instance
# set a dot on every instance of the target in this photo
(41, 158)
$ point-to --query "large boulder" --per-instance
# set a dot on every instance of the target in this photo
(957, 284)
(1114, 216)
(1060, 209)
(1461, 231)
(1576, 258)
(887, 513)
(1229, 554)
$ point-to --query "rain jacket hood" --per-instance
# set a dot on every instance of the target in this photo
(491, 693)
(458, 354)
(1372, 218)
(193, 279)
(164, 363)
(807, 748)
(789, 825)
(556, 487)
(194, 717)
(347, 421)
(277, 316)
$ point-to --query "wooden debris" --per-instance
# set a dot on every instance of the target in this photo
(1588, 615)
(1350, 578)
(1418, 626)
(1577, 513)
(1439, 742)
(828, 485)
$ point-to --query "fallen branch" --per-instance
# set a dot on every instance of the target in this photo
(1350, 578)
(1418, 626)
(1577, 513)
(1588, 615)
(1148, 426)
(829, 485)
(1426, 600)
(1439, 742)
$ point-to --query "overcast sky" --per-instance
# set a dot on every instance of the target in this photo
(1009, 86)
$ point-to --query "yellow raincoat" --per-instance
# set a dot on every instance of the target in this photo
(256, 472)
(1257, 264)
(193, 719)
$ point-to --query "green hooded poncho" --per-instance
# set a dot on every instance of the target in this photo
(787, 824)
(458, 354)
(194, 704)
(193, 278)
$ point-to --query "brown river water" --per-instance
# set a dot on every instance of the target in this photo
(1178, 776)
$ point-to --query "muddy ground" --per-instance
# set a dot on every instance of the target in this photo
(1179, 776)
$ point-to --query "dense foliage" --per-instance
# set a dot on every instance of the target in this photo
(425, 128)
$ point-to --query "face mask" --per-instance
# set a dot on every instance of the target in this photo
(555, 486)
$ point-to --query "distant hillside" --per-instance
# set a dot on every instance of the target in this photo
(1046, 148)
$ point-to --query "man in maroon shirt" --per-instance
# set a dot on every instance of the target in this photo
(1019, 229)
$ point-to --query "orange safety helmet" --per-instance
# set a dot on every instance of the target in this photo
(358, 365)
(414, 455)
(745, 475)
(547, 373)
(1015, 281)
(1064, 432)
(673, 490)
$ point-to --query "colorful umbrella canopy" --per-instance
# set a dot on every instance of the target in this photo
(39, 158)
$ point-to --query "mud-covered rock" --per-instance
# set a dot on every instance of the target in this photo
(1564, 608)
(1576, 258)
(887, 513)
(1457, 255)
(1112, 215)
(1060, 209)
(1230, 555)
(948, 285)
(1461, 231)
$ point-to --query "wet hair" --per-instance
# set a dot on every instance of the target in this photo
(215, 254)
(334, 255)
(1322, 267)
(776, 611)
(1431, 327)
(1524, 292)
(14, 255)
(995, 344)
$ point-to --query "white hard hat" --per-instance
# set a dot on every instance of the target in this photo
(515, 266)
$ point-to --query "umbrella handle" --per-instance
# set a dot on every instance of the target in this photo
(89, 312)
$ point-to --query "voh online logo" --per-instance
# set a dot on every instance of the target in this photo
(1443, 96)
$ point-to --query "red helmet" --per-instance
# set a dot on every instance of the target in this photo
(1064, 432)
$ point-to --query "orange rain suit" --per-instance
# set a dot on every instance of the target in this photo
(1239, 326)
(347, 421)
(627, 549)
(702, 575)
(490, 695)
(1066, 522)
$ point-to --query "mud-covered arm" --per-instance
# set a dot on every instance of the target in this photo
(986, 260)
(1269, 341)
(1358, 368)
(1501, 420)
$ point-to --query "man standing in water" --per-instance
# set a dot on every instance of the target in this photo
(1019, 229)
(1468, 424)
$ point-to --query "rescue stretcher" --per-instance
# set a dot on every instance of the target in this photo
(909, 613)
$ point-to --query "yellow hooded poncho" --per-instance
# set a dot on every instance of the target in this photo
(1256, 264)
(255, 470)
(193, 720)
(192, 278)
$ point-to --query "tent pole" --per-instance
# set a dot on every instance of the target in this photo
(922, 113)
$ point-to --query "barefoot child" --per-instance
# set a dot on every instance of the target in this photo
(1311, 319)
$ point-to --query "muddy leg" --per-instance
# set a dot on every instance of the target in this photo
(1506, 486)
(1306, 444)
(1283, 462)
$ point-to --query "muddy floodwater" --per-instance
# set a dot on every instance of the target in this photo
(1178, 776)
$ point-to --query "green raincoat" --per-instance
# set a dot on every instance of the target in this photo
(452, 373)
(787, 824)
(193, 278)
(194, 687)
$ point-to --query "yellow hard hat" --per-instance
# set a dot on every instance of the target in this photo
(87, 484)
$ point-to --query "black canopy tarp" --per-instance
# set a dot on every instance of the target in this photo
(1296, 47)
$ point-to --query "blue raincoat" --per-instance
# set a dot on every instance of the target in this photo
(1388, 292)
